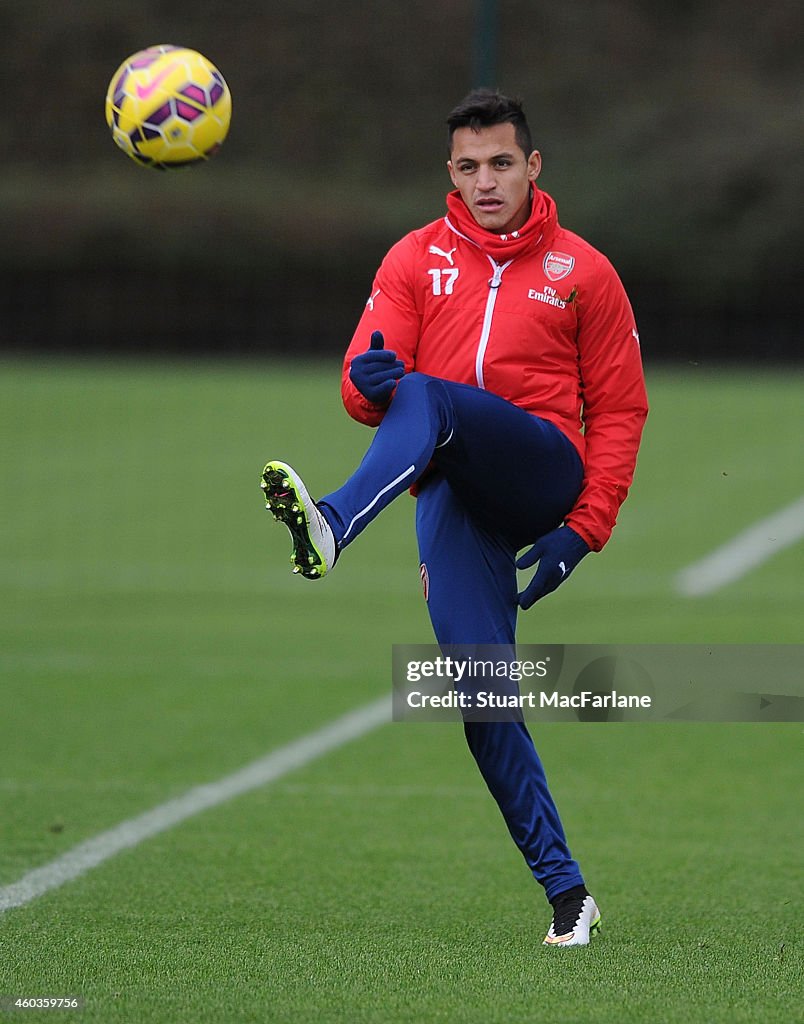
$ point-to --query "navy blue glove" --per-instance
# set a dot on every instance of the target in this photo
(374, 373)
(557, 553)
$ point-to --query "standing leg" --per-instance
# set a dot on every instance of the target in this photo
(502, 478)
(472, 599)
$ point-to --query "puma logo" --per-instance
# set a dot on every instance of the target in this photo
(435, 251)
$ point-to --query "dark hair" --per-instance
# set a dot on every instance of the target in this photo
(483, 108)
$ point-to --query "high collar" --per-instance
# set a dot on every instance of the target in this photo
(539, 227)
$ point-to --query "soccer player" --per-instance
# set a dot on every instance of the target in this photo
(499, 359)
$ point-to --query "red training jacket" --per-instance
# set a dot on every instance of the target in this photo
(539, 317)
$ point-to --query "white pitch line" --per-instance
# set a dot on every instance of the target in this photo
(102, 847)
(744, 552)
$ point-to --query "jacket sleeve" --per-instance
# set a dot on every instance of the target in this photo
(614, 404)
(392, 309)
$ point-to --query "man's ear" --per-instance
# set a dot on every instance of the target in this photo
(534, 165)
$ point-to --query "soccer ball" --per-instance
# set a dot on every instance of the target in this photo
(168, 106)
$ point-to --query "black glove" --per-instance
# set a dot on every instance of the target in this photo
(374, 373)
(557, 553)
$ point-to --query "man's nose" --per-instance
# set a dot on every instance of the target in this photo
(485, 178)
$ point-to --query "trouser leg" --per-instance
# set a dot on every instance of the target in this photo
(472, 599)
(502, 478)
(517, 473)
(417, 421)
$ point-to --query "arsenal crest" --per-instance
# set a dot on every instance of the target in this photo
(557, 265)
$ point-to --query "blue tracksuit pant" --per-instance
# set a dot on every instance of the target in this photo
(492, 478)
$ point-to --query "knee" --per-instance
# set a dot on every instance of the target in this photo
(415, 391)
(422, 387)
(418, 394)
(422, 404)
(413, 381)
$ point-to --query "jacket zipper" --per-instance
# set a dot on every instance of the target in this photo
(488, 316)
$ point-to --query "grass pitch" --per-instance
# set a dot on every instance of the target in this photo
(153, 638)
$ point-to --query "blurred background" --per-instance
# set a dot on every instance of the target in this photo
(671, 135)
(152, 636)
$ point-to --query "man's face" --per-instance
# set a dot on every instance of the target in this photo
(493, 176)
